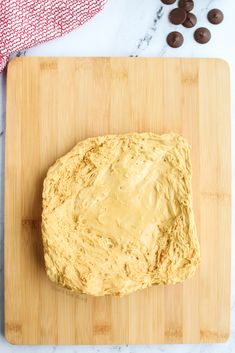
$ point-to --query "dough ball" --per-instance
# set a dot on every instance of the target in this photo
(117, 214)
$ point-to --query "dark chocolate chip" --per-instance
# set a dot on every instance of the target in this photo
(190, 21)
(187, 5)
(168, 2)
(202, 35)
(175, 39)
(177, 16)
(215, 16)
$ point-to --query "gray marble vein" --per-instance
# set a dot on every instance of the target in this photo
(146, 40)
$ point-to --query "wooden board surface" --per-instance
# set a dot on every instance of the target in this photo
(54, 102)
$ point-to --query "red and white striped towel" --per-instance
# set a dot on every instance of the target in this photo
(25, 23)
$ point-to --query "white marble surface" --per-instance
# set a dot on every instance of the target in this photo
(124, 28)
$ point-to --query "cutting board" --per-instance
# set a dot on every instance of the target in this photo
(54, 102)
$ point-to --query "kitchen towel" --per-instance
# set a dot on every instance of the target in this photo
(25, 23)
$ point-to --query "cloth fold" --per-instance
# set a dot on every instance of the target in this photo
(25, 23)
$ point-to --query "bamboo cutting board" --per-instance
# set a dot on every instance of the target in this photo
(54, 102)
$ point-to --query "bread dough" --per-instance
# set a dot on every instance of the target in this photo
(117, 214)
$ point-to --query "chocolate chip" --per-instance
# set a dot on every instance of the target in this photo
(190, 21)
(168, 2)
(175, 39)
(202, 35)
(215, 16)
(187, 5)
(177, 16)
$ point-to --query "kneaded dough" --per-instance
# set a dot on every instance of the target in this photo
(117, 214)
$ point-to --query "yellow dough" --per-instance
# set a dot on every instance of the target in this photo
(117, 214)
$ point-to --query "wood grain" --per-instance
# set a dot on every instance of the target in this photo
(54, 102)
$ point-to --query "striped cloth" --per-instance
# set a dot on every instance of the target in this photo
(25, 23)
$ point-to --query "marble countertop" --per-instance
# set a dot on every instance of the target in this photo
(138, 28)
